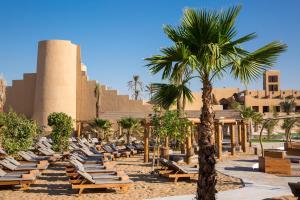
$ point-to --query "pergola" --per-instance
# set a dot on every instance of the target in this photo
(234, 121)
(230, 118)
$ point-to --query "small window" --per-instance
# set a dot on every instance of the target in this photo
(265, 109)
(255, 108)
(297, 108)
(277, 108)
(273, 88)
(273, 79)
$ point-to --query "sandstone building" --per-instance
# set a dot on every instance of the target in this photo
(60, 84)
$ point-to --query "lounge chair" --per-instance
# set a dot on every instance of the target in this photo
(124, 152)
(132, 149)
(12, 167)
(22, 179)
(41, 165)
(109, 150)
(139, 147)
(175, 171)
(87, 181)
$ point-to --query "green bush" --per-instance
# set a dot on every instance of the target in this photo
(62, 129)
(17, 132)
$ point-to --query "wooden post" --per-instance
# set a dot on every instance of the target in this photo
(219, 140)
(244, 137)
(146, 143)
(239, 134)
(232, 137)
(189, 146)
(78, 129)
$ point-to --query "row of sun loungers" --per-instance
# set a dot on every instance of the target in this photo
(93, 172)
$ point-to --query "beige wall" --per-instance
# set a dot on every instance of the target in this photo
(56, 80)
(20, 95)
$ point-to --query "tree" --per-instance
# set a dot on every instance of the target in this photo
(149, 89)
(136, 86)
(17, 132)
(2, 92)
(250, 116)
(104, 128)
(62, 129)
(210, 41)
(288, 105)
(131, 125)
(270, 126)
(97, 96)
(288, 125)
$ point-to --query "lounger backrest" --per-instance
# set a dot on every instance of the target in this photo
(164, 162)
(12, 160)
(173, 165)
(107, 149)
(2, 152)
(8, 165)
(87, 151)
(25, 156)
(47, 144)
(30, 153)
(45, 152)
(86, 176)
(2, 173)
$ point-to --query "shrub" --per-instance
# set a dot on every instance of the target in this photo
(62, 129)
(18, 132)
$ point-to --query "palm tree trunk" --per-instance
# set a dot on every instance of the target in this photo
(206, 185)
(128, 136)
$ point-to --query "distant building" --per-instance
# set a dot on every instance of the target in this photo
(60, 84)
(264, 101)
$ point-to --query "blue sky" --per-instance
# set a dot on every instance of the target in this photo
(115, 35)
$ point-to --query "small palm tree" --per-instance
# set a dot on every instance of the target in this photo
(211, 47)
(103, 128)
(97, 96)
(288, 105)
(136, 86)
(288, 125)
(131, 125)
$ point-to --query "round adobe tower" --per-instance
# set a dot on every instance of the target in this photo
(55, 89)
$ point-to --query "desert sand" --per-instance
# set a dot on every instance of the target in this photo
(53, 184)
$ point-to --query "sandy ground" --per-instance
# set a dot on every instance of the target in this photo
(53, 184)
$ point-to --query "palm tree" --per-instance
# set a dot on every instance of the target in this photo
(2, 92)
(209, 40)
(97, 96)
(131, 125)
(149, 89)
(136, 86)
(288, 105)
(250, 116)
(288, 125)
(104, 128)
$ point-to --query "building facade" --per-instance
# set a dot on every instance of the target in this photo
(60, 84)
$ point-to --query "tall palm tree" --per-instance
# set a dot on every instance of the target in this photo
(97, 96)
(288, 124)
(211, 43)
(136, 86)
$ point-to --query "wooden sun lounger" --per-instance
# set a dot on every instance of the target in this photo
(87, 181)
(175, 171)
(25, 180)
(109, 150)
(123, 152)
(13, 167)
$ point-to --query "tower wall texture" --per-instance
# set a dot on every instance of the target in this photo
(55, 89)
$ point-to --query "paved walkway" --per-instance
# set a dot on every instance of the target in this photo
(258, 185)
